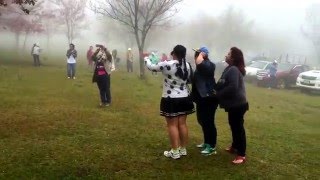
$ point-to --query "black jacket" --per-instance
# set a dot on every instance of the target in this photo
(231, 89)
(203, 83)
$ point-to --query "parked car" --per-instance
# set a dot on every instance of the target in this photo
(252, 69)
(286, 75)
(309, 80)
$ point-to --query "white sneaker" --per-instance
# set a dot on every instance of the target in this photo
(171, 154)
(203, 145)
(69, 77)
(183, 151)
(74, 77)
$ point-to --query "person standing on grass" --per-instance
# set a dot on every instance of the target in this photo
(35, 52)
(129, 60)
(115, 58)
(101, 75)
(89, 56)
(272, 70)
(203, 94)
(175, 102)
(71, 61)
(232, 97)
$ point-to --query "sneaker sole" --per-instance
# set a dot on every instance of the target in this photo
(244, 161)
(209, 154)
(177, 157)
(172, 157)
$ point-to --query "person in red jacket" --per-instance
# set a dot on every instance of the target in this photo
(89, 56)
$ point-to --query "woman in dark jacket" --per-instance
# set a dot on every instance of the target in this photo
(232, 97)
(103, 60)
(203, 94)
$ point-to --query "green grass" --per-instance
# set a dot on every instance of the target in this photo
(51, 128)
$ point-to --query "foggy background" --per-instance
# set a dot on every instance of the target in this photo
(265, 27)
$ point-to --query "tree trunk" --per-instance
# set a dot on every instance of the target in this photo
(17, 40)
(25, 41)
(48, 45)
(141, 62)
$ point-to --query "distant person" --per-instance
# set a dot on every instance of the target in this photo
(232, 97)
(102, 72)
(89, 56)
(129, 60)
(273, 75)
(164, 57)
(35, 52)
(115, 58)
(203, 94)
(71, 62)
(175, 102)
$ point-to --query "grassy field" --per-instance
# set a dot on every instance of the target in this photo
(52, 128)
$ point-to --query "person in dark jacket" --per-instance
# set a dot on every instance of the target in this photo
(101, 76)
(232, 97)
(203, 93)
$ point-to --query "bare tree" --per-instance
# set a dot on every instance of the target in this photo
(312, 27)
(73, 13)
(139, 15)
(21, 24)
(50, 20)
(234, 29)
(21, 3)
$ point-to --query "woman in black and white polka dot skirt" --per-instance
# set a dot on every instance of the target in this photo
(175, 102)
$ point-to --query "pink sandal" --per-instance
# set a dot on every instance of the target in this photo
(239, 160)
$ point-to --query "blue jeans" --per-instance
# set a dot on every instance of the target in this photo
(71, 70)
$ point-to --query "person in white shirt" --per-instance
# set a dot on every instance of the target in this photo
(175, 102)
(35, 52)
(71, 62)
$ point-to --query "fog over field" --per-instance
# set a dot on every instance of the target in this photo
(269, 28)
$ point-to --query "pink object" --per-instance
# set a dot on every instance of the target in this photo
(101, 73)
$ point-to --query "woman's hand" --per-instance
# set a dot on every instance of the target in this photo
(200, 58)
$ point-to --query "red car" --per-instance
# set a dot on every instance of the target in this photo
(286, 75)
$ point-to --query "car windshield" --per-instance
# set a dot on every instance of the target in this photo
(258, 64)
(285, 67)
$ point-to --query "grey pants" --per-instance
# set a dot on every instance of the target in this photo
(36, 60)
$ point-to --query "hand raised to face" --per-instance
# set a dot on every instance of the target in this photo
(200, 58)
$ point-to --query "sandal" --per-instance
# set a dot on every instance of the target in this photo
(239, 160)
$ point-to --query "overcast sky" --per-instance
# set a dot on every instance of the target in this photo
(266, 13)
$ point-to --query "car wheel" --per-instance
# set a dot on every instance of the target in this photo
(282, 84)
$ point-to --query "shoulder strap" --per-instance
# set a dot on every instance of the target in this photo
(190, 79)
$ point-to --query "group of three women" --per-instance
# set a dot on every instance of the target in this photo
(177, 99)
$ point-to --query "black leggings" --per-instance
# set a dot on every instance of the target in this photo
(206, 110)
(103, 83)
(236, 121)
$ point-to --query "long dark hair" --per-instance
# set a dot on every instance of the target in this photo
(238, 60)
(180, 52)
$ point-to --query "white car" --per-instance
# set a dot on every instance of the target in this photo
(252, 69)
(309, 80)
